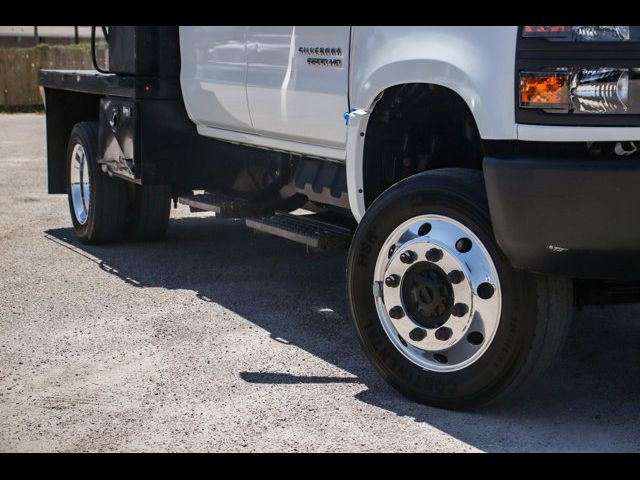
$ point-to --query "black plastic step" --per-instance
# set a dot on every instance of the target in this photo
(303, 229)
(222, 205)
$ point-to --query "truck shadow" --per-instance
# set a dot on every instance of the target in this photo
(588, 402)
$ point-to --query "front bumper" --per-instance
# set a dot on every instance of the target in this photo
(579, 218)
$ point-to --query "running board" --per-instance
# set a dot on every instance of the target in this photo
(299, 228)
(222, 205)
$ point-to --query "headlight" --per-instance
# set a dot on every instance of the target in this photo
(582, 90)
(579, 33)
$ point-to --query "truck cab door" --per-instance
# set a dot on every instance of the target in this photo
(297, 83)
(213, 76)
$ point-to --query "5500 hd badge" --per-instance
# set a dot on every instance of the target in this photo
(321, 56)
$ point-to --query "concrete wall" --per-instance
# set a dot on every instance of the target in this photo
(19, 70)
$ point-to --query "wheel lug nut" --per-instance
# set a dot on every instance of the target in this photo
(417, 334)
(444, 333)
(456, 276)
(408, 257)
(434, 255)
(396, 312)
(392, 281)
(459, 310)
(463, 245)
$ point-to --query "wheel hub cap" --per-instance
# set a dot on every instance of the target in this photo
(427, 294)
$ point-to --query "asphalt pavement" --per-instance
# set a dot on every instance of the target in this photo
(221, 339)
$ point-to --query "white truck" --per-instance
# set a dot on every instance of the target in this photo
(484, 179)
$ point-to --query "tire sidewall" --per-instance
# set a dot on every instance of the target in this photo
(481, 380)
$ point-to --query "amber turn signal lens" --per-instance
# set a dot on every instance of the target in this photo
(534, 30)
(544, 90)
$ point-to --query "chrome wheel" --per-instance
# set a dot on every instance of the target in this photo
(437, 293)
(80, 186)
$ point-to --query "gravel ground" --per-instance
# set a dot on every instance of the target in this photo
(220, 339)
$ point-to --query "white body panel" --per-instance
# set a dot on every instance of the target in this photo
(263, 92)
(289, 98)
(213, 76)
(475, 62)
(551, 133)
(310, 150)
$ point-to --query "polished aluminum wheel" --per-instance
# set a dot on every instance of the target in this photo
(80, 186)
(437, 293)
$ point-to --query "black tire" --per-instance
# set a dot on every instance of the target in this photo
(536, 309)
(106, 213)
(148, 212)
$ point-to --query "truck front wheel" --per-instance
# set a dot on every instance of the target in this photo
(437, 307)
(97, 201)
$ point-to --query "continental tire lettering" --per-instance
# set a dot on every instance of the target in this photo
(420, 199)
(506, 347)
(366, 248)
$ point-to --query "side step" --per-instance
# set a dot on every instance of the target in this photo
(301, 229)
(222, 205)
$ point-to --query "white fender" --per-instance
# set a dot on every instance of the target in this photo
(477, 63)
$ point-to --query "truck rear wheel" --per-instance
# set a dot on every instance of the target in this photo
(148, 212)
(436, 305)
(96, 200)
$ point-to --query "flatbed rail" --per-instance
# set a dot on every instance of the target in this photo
(94, 82)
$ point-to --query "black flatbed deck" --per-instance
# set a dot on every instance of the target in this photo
(110, 84)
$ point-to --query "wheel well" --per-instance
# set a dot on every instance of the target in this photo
(416, 127)
(64, 109)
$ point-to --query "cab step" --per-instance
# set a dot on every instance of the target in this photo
(222, 205)
(303, 229)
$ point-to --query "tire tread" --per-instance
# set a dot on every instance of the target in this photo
(150, 212)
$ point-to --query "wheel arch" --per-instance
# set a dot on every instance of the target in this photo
(477, 63)
(363, 175)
